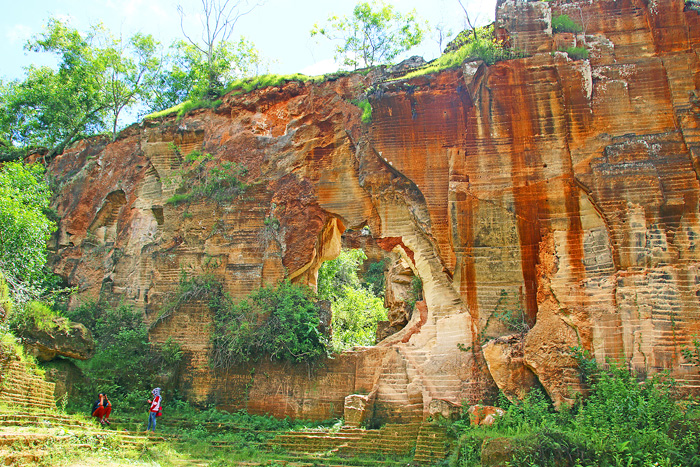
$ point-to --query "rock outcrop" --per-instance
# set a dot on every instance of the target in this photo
(545, 196)
(60, 338)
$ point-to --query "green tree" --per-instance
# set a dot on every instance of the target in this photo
(219, 19)
(97, 77)
(125, 363)
(355, 317)
(355, 306)
(335, 275)
(187, 73)
(24, 226)
(126, 70)
(280, 323)
(54, 108)
(375, 34)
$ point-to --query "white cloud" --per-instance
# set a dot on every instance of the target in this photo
(320, 68)
(18, 34)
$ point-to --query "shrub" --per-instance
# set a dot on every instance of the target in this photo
(246, 85)
(415, 294)
(355, 303)
(278, 322)
(577, 53)
(485, 47)
(179, 198)
(374, 278)
(622, 422)
(24, 228)
(338, 273)
(511, 313)
(6, 304)
(203, 177)
(33, 315)
(355, 317)
(366, 110)
(563, 23)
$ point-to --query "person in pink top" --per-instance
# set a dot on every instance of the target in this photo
(155, 408)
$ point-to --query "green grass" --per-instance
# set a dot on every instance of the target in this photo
(577, 53)
(179, 198)
(485, 48)
(366, 110)
(239, 86)
(246, 85)
(163, 113)
(563, 23)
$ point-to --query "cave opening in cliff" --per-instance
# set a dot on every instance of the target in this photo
(371, 292)
(354, 286)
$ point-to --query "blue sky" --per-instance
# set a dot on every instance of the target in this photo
(279, 28)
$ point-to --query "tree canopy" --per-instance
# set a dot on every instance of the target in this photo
(24, 225)
(375, 34)
(214, 52)
(186, 74)
(98, 76)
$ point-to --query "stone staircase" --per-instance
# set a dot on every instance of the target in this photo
(432, 445)
(394, 442)
(39, 419)
(22, 386)
(28, 437)
(393, 400)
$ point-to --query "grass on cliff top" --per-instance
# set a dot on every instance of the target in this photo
(246, 85)
(485, 47)
(237, 87)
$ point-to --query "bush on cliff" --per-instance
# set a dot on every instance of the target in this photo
(563, 23)
(281, 323)
(206, 178)
(485, 47)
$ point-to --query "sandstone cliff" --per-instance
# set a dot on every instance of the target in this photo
(544, 197)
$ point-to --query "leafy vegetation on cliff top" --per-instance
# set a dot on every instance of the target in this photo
(484, 47)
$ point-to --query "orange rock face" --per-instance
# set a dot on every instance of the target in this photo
(545, 196)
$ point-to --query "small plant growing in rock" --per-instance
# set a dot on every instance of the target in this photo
(563, 23)
(577, 53)
(366, 110)
(203, 177)
(415, 293)
(692, 352)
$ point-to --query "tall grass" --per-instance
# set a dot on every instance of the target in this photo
(622, 423)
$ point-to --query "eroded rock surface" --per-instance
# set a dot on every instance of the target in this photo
(62, 338)
(544, 196)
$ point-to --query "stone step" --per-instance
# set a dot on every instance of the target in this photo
(13, 457)
(432, 445)
(27, 439)
(9, 419)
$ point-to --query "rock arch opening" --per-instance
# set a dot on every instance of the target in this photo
(371, 293)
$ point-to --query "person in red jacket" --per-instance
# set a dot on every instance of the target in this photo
(154, 409)
(102, 408)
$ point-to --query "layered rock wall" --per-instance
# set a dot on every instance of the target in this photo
(552, 198)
